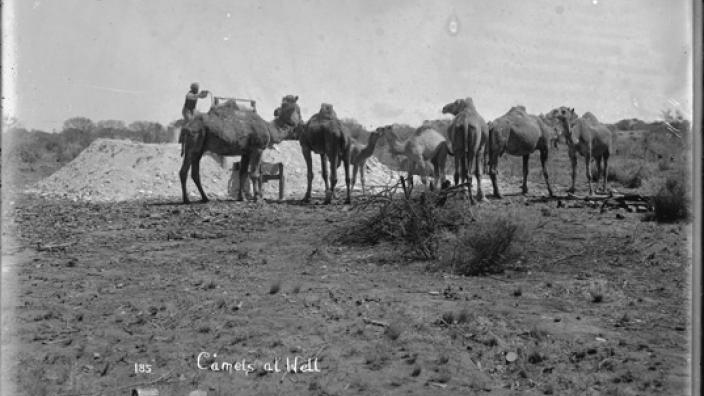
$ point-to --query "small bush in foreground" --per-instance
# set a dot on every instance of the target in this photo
(671, 203)
(482, 247)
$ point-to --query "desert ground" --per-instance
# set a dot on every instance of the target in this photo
(105, 297)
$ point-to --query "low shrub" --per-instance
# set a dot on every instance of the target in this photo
(483, 247)
(671, 203)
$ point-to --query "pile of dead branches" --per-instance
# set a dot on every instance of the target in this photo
(396, 214)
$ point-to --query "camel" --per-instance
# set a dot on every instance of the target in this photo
(520, 134)
(468, 134)
(425, 145)
(225, 130)
(359, 154)
(590, 138)
(324, 135)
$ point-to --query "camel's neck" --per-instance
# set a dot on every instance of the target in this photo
(567, 131)
(368, 150)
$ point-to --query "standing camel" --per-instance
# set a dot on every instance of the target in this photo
(325, 135)
(359, 154)
(425, 145)
(468, 134)
(520, 134)
(590, 138)
(226, 130)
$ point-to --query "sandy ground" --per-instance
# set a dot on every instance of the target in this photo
(102, 287)
(106, 297)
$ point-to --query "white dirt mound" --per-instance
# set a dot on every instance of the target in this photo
(120, 170)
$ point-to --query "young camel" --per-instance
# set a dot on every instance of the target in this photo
(425, 145)
(225, 130)
(325, 135)
(468, 134)
(359, 154)
(520, 134)
(590, 138)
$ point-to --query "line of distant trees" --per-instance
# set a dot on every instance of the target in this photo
(77, 133)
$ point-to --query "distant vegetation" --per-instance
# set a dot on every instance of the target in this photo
(77, 133)
(656, 141)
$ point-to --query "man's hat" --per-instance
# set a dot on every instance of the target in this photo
(194, 85)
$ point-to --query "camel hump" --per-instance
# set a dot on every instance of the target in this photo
(290, 98)
(326, 111)
(469, 103)
(590, 117)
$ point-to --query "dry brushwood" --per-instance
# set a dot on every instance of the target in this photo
(403, 217)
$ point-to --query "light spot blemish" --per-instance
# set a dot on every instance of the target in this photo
(228, 15)
(453, 25)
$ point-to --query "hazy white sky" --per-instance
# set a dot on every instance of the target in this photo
(375, 61)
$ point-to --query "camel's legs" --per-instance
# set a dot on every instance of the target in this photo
(309, 166)
(183, 174)
(598, 171)
(457, 167)
(324, 171)
(254, 174)
(324, 159)
(195, 175)
(524, 187)
(361, 176)
(588, 160)
(543, 163)
(466, 172)
(478, 160)
(573, 162)
(355, 169)
(346, 163)
(244, 166)
(436, 176)
(441, 163)
(493, 172)
(606, 169)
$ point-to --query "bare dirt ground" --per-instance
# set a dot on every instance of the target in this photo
(592, 303)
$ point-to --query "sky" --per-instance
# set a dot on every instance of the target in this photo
(378, 62)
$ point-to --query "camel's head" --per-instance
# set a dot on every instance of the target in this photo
(289, 113)
(457, 106)
(374, 136)
(327, 111)
(566, 118)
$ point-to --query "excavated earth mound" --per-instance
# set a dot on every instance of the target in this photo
(121, 170)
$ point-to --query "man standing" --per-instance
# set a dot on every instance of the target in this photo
(189, 106)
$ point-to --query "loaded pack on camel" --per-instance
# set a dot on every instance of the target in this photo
(228, 130)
